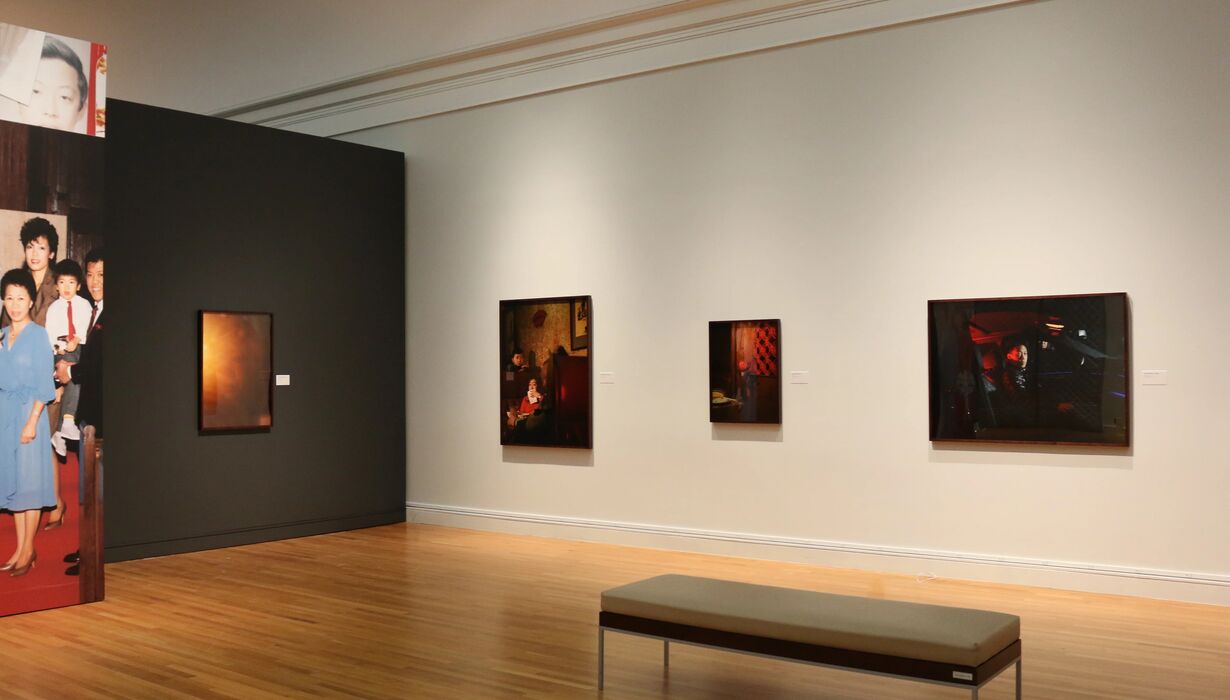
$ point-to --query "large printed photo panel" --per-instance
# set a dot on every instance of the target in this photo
(1050, 370)
(50, 367)
(52, 105)
(546, 372)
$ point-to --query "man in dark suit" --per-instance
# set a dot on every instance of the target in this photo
(87, 372)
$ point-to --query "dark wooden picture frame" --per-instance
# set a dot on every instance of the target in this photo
(745, 371)
(235, 371)
(546, 379)
(1050, 370)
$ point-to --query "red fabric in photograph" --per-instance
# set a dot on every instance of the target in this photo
(46, 585)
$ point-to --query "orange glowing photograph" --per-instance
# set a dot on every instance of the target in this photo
(236, 371)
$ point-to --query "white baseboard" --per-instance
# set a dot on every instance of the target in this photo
(1196, 587)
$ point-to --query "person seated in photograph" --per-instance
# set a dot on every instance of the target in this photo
(60, 90)
(68, 319)
(517, 363)
(27, 483)
(517, 375)
(532, 401)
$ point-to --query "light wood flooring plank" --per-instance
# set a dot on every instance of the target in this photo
(416, 611)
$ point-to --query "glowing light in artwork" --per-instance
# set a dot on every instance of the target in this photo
(235, 369)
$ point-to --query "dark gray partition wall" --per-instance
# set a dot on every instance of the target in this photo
(210, 214)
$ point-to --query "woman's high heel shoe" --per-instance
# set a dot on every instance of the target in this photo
(53, 524)
(23, 570)
(7, 567)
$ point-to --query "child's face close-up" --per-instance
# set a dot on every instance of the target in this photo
(67, 286)
(56, 101)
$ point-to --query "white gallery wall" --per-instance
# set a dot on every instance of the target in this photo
(1055, 147)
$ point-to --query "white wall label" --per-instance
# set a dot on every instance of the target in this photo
(281, 379)
(1153, 377)
(606, 377)
(799, 377)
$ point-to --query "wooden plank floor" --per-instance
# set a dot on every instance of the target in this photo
(421, 611)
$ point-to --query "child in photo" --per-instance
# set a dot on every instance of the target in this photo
(61, 89)
(68, 320)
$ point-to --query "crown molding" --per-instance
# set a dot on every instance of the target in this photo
(640, 42)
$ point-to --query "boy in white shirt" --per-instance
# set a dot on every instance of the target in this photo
(68, 320)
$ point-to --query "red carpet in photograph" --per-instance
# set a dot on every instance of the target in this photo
(45, 586)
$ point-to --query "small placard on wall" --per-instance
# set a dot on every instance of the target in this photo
(1153, 377)
(281, 379)
(800, 377)
(606, 377)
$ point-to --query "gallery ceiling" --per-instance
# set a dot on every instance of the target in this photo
(208, 57)
(328, 68)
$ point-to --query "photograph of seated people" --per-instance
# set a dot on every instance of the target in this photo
(544, 373)
(523, 397)
(27, 475)
(531, 402)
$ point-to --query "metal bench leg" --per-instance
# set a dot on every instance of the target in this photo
(666, 654)
(1018, 679)
(601, 654)
(973, 694)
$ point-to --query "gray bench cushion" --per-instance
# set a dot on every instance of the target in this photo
(912, 630)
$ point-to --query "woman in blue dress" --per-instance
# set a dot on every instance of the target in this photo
(27, 484)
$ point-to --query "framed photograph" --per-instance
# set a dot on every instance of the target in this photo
(545, 375)
(1050, 370)
(236, 371)
(745, 377)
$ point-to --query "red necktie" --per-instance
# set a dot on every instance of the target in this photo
(71, 331)
(93, 315)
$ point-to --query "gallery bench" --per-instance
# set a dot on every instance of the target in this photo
(932, 643)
